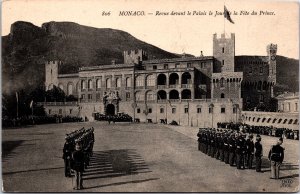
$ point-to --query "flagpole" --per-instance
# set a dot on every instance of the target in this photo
(224, 18)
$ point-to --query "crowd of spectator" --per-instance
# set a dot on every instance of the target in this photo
(263, 130)
(120, 117)
(31, 120)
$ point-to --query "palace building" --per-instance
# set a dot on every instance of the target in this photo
(197, 91)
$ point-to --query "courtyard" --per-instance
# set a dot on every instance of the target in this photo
(134, 158)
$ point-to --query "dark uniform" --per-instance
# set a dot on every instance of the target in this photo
(276, 155)
(78, 166)
(258, 153)
(226, 148)
(67, 154)
(239, 152)
(231, 143)
(250, 152)
(199, 134)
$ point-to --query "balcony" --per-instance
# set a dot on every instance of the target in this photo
(162, 101)
(161, 86)
(73, 103)
(186, 85)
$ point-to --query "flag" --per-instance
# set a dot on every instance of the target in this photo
(227, 15)
(31, 103)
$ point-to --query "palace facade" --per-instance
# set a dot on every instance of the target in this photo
(197, 91)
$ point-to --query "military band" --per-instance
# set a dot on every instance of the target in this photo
(230, 146)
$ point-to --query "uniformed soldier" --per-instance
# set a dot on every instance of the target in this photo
(276, 156)
(250, 151)
(204, 140)
(212, 144)
(238, 151)
(199, 134)
(67, 154)
(258, 153)
(226, 148)
(209, 136)
(78, 165)
(232, 148)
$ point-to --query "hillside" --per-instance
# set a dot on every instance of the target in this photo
(27, 47)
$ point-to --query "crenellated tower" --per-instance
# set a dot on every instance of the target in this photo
(51, 74)
(134, 56)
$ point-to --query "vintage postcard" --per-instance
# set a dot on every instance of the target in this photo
(150, 96)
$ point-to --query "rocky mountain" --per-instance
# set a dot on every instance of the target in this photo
(27, 47)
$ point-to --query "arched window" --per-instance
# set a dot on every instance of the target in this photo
(222, 95)
(285, 120)
(150, 80)
(128, 82)
(186, 94)
(61, 86)
(90, 84)
(291, 121)
(70, 89)
(161, 79)
(161, 94)
(268, 121)
(98, 83)
(139, 81)
(259, 85)
(150, 96)
(263, 120)
(83, 84)
(118, 82)
(108, 83)
(186, 78)
(173, 79)
(295, 122)
(139, 96)
(174, 94)
(274, 120)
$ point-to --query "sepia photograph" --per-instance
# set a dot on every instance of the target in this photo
(150, 96)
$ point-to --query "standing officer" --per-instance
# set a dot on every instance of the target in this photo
(258, 153)
(250, 151)
(238, 151)
(78, 165)
(231, 143)
(67, 154)
(276, 156)
(199, 134)
(226, 148)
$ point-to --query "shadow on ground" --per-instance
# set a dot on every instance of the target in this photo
(115, 163)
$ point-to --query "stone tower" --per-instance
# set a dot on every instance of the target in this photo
(134, 56)
(51, 74)
(272, 50)
(224, 52)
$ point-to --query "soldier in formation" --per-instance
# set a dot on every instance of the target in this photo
(80, 142)
(229, 146)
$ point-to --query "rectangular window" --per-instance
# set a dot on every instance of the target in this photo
(165, 66)
(161, 110)
(154, 67)
(186, 110)
(150, 110)
(60, 111)
(261, 70)
(289, 106)
(223, 50)
(177, 65)
(127, 95)
(222, 62)
(261, 98)
(296, 106)
(202, 64)
(89, 96)
(210, 110)
(138, 110)
(222, 110)
(234, 110)
(82, 96)
(189, 65)
(173, 110)
(250, 69)
(49, 111)
(198, 110)
(71, 111)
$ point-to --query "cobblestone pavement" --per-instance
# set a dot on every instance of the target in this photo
(134, 158)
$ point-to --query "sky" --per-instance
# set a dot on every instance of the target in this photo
(174, 33)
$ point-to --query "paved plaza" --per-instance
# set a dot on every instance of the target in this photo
(134, 158)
